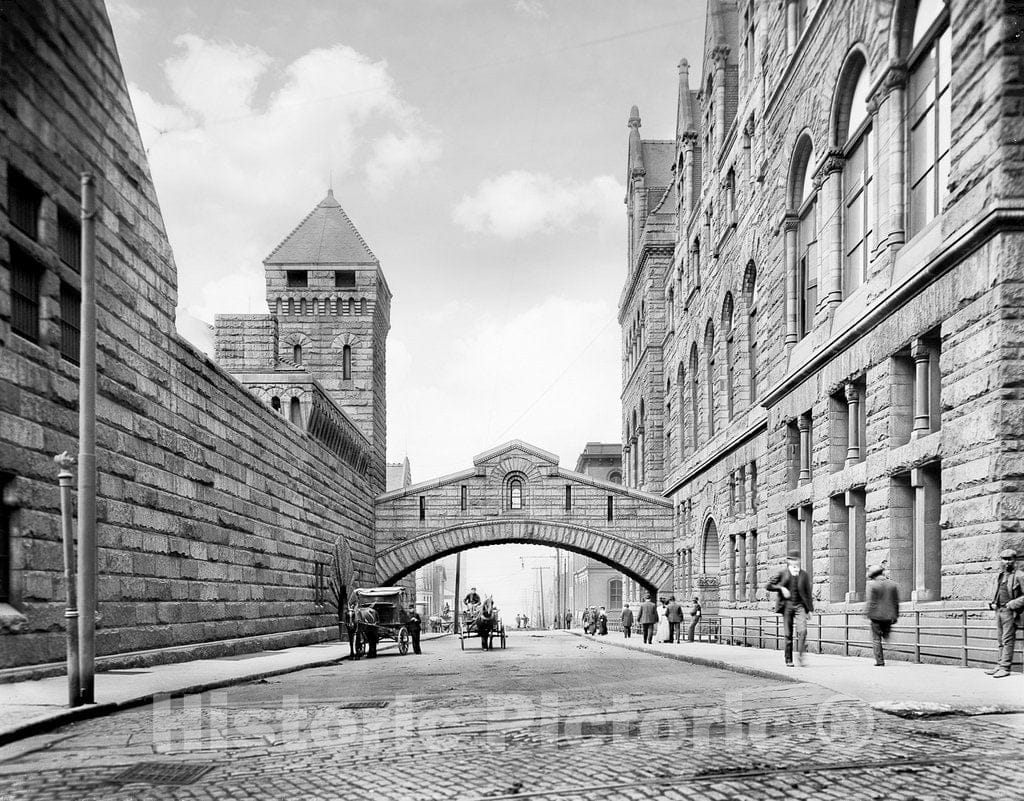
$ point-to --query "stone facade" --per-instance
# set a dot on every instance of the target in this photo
(485, 505)
(216, 514)
(837, 368)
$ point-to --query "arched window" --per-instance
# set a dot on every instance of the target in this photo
(297, 354)
(710, 558)
(515, 493)
(853, 136)
(615, 477)
(295, 411)
(362, 305)
(671, 309)
(615, 594)
(709, 362)
(291, 305)
(803, 198)
(349, 306)
(346, 363)
(694, 397)
(927, 48)
(750, 297)
(728, 331)
(275, 403)
(302, 306)
(681, 392)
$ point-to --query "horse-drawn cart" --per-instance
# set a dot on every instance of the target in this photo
(383, 608)
(483, 621)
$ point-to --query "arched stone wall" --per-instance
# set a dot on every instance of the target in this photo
(636, 561)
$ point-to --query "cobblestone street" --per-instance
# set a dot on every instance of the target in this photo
(553, 716)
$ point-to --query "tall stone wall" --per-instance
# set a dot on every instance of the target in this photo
(212, 510)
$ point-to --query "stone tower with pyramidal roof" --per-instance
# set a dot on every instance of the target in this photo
(319, 357)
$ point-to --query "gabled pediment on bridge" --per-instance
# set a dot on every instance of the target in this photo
(515, 447)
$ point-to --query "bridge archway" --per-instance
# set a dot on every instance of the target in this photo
(640, 563)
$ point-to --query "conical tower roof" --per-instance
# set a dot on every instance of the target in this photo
(325, 236)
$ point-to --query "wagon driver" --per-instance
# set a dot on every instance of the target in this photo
(473, 597)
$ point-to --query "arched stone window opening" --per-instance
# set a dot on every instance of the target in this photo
(291, 305)
(709, 365)
(681, 401)
(349, 306)
(694, 397)
(750, 298)
(729, 332)
(926, 46)
(710, 555)
(362, 305)
(801, 244)
(615, 477)
(346, 363)
(297, 354)
(854, 138)
(275, 403)
(295, 411)
(515, 492)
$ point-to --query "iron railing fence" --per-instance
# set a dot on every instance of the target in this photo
(964, 636)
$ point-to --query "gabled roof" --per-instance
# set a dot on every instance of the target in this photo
(515, 445)
(325, 236)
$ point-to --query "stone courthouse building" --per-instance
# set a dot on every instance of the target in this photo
(821, 320)
(223, 489)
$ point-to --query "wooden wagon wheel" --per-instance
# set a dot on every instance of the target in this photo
(403, 641)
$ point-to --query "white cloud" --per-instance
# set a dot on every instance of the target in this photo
(547, 374)
(245, 143)
(531, 8)
(519, 204)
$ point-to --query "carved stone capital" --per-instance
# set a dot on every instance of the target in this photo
(833, 162)
(803, 423)
(720, 55)
(688, 139)
(920, 350)
(851, 392)
(790, 220)
(895, 76)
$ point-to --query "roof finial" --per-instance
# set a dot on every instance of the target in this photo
(634, 118)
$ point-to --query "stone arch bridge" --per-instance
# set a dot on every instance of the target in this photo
(517, 493)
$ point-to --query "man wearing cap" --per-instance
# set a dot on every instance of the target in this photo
(794, 603)
(1008, 603)
(882, 609)
(472, 597)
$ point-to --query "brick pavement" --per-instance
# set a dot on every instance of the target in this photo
(552, 717)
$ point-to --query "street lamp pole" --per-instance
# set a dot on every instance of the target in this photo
(87, 447)
(67, 518)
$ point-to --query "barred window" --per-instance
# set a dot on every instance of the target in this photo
(69, 240)
(70, 325)
(23, 201)
(26, 276)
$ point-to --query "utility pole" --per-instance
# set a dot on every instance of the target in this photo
(540, 577)
(458, 596)
(87, 447)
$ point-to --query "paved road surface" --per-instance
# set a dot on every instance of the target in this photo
(550, 717)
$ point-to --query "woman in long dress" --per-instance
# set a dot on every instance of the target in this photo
(661, 635)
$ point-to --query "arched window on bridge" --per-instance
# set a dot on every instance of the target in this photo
(515, 493)
(615, 594)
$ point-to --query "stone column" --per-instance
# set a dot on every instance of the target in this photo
(927, 535)
(720, 55)
(792, 25)
(641, 455)
(854, 433)
(855, 548)
(892, 223)
(741, 567)
(921, 354)
(748, 490)
(831, 176)
(689, 142)
(804, 425)
(790, 226)
(752, 566)
(627, 477)
(732, 567)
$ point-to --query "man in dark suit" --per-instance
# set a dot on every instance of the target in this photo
(793, 585)
(414, 625)
(648, 619)
(1008, 603)
(882, 609)
(627, 621)
(674, 613)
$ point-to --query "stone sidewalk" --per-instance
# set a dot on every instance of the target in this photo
(31, 707)
(903, 688)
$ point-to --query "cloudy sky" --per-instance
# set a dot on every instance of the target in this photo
(478, 145)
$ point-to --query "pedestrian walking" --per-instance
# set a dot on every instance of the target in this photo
(519, 621)
(586, 621)
(568, 620)
(414, 626)
(1007, 603)
(794, 603)
(627, 621)
(674, 613)
(695, 616)
(882, 609)
(648, 619)
(602, 621)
